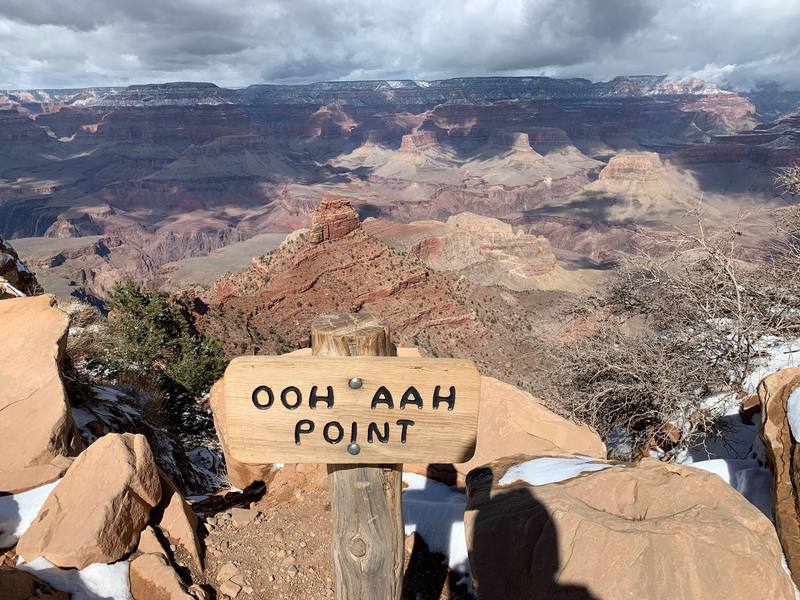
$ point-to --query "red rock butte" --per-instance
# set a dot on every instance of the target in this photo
(333, 220)
(418, 141)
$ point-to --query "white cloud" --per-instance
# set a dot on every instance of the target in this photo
(234, 43)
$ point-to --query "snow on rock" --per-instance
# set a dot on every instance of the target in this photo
(779, 355)
(746, 476)
(737, 437)
(18, 511)
(114, 410)
(541, 471)
(436, 512)
(793, 414)
(98, 580)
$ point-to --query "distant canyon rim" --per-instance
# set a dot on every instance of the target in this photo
(105, 184)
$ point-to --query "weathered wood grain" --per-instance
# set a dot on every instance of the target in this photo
(433, 433)
(366, 501)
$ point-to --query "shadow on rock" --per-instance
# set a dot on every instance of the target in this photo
(428, 575)
(513, 544)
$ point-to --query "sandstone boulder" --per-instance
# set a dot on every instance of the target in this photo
(21, 585)
(15, 482)
(178, 521)
(152, 578)
(96, 512)
(149, 543)
(783, 453)
(36, 427)
(556, 528)
(512, 421)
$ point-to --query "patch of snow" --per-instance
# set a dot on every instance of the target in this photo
(780, 354)
(103, 392)
(793, 414)
(436, 512)
(98, 580)
(18, 511)
(12, 290)
(737, 439)
(737, 454)
(746, 476)
(541, 471)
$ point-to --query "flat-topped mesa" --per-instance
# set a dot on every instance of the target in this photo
(634, 166)
(333, 220)
(416, 142)
(480, 225)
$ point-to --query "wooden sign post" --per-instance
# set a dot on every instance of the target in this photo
(358, 407)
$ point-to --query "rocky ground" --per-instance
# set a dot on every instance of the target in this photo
(93, 500)
(281, 549)
(268, 308)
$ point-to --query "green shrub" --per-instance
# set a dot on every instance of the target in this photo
(152, 337)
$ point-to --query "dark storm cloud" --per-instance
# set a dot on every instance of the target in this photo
(236, 42)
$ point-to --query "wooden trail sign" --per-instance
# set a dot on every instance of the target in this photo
(362, 410)
(368, 410)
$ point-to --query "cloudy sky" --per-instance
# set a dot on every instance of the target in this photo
(72, 43)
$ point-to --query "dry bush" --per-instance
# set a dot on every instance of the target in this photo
(616, 379)
(682, 321)
(788, 180)
(88, 332)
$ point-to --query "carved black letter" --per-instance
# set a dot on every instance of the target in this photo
(411, 396)
(353, 432)
(451, 399)
(297, 394)
(405, 424)
(328, 400)
(373, 430)
(303, 426)
(270, 396)
(383, 396)
(326, 432)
